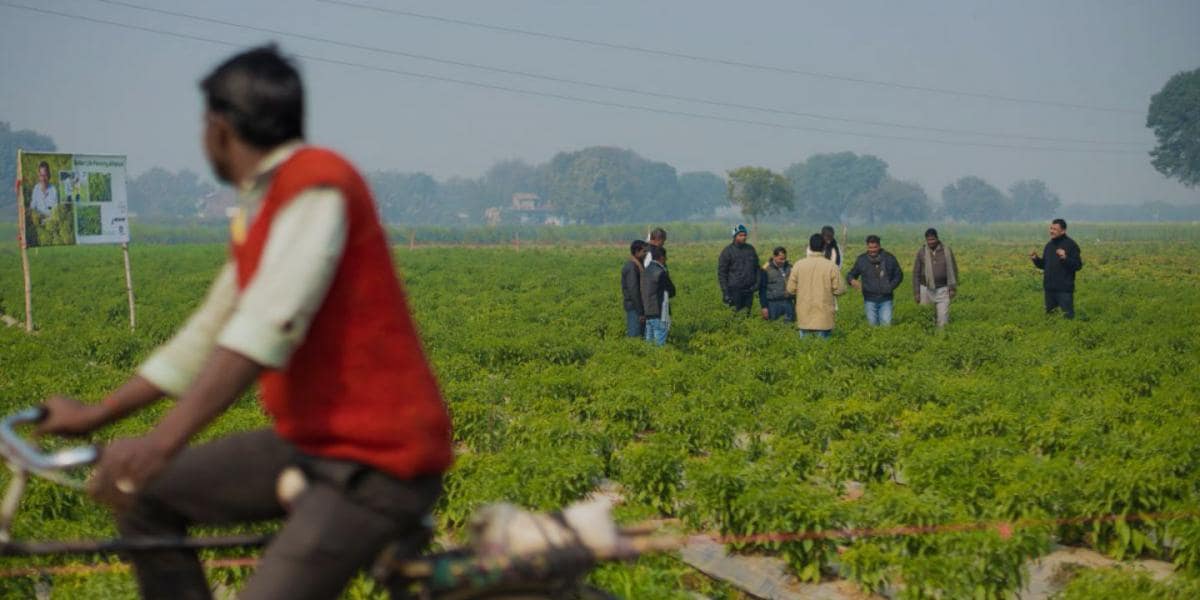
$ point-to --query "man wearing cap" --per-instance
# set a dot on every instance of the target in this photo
(737, 271)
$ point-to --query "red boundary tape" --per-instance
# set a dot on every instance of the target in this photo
(1003, 528)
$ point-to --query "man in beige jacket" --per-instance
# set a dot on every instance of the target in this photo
(815, 281)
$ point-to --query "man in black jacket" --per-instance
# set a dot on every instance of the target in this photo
(1059, 261)
(631, 290)
(876, 274)
(737, 271)
(656, 287)
(772, 288)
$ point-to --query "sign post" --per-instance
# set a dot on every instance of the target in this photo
(24, 254)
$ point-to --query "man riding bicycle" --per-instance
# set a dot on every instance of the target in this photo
(308, 304)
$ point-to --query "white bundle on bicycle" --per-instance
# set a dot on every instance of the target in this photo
(506, 530)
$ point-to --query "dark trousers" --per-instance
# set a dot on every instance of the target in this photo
(741, 299)
(1063, 300)
(785, 309)
(337, 525)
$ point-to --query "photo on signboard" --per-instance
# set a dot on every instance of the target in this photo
(49, 211)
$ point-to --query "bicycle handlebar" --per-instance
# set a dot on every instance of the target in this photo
(25, 455)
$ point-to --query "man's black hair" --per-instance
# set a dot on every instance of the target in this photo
(778, 250)
(931, 232)
(44, 164)
(260, 93)
(635, 246)
(658, 253)
(658, 233)
(816, 242)
(873, 239)
(1060, 222)
(827, 229)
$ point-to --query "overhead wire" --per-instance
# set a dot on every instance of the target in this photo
(594, 85)
(730, 62)
(577, 99)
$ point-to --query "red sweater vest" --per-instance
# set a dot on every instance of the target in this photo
(358, 387)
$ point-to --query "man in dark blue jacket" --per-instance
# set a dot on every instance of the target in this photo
(876, 273)
(1059, 261)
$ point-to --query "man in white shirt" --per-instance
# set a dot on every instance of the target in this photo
(44, 196)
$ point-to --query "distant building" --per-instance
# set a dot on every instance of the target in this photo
(526, 208)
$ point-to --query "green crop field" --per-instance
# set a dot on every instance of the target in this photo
(736, 426)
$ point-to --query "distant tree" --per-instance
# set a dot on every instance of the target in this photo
(759, 192)
(1032, 200)
(10, 142)
(604, 185)
(1174, 116)
(506, 178)
(974, 200)
(826, 185)
(893, 201)
(461, 196)
(407, 198)
(162, 195)
(702, 193)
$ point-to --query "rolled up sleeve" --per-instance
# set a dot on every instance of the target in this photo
(298, 264)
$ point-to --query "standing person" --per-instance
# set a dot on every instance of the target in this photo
(773, 296)
(737, 271)
(935, 276)
(44, 196)
(309, 305)
(657, 288)
(631, 290)
(815, 281)
(1059, 262)
(829, 246)
(658, 237)
(876, 273)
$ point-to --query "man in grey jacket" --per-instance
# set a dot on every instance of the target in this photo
(876, 273)
(631, 290)
(935, 276)
(773, 296)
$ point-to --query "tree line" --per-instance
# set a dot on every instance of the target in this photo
(605, 185)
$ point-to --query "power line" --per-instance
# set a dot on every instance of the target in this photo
(733, 63)
(578, 99)
(621, 89)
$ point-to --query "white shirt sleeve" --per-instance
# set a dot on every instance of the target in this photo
(173, 366)
(298, 264)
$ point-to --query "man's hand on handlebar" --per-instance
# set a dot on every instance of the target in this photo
(67, 416)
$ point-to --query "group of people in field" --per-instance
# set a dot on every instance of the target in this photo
(805, 292)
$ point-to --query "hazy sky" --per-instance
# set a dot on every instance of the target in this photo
(97, 87)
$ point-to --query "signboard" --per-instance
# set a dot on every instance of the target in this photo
(70, 199)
